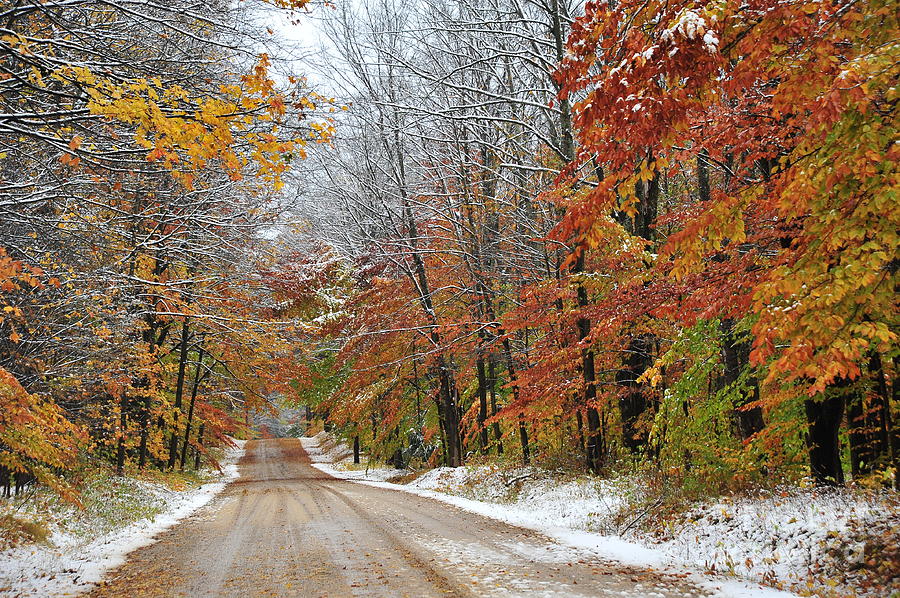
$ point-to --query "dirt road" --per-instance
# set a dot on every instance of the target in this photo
(286, 529)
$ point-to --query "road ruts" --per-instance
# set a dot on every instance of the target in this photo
(284, 528)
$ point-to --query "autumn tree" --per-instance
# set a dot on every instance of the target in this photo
(792, 106)
(142, 150)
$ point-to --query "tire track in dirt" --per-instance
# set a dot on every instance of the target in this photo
(284, 528)
(406, 550)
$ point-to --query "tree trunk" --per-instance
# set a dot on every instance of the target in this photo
(594, 445)
(594, 452)
(889, 435)
(639, 353)
(594, 448)
(736, 357)
(492, 382)
(190, 418)
(645, 217)
(145, 430)
(523, 440)
(396, 460)
(703, 175)
(446, 381)
(869, 423)
(579, 426)
(511, 371)
(199, 444)
(442, 427)
(419, 422)
(482, 402)
(859, 437)
(451, 415)
(634, 402)
(120, 448)
(418, 276)
(356, 449)
(154, 335)
(824, 418)
(179, 393)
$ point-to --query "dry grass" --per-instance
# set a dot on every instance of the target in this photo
(15, 531)
(406, 478)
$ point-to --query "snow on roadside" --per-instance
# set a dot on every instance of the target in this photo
(777, 539)
(83, 546)
(607, 547)
(323, 450)
(791, 537)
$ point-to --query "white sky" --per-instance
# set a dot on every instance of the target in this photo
(300, 39)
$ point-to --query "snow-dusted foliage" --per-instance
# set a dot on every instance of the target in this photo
(800, 538)
(824, 543)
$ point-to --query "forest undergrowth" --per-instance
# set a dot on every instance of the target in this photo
(50, 546)
(830, 543)
(106, 502)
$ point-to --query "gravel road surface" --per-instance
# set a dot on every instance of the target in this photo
(284, 528)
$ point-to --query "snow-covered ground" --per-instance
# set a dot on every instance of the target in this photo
(806, 540)
(121, 515)
(337, 459)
